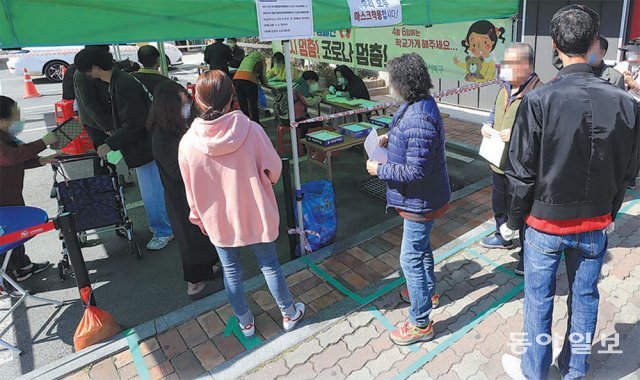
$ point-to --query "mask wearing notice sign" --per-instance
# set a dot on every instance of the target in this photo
(283, 20)
(375, 13)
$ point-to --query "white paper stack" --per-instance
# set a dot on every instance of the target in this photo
(493, 148)
(373, 148)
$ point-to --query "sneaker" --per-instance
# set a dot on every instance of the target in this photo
(519, 268)
(435, 299)
(408, 334)
(511, 366)
(248, 330)
(290, 323)
(496, 242)
(31, 269)
(157, 243)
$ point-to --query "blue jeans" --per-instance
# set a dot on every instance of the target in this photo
(584, 256)
(416, 260)
(270, 267)
(152, 193)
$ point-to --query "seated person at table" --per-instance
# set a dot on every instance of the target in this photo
(277, 70)
(15, 157)
(305, 94)
(350, 83)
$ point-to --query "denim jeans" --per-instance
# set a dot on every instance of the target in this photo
(270, 267)
(584, 256)
(416, 260)
(152, 194)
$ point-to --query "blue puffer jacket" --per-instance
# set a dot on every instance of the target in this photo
(416, 172)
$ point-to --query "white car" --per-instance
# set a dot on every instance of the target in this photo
(48, 61)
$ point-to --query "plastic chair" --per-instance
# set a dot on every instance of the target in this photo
(16, 218)
(284, 139)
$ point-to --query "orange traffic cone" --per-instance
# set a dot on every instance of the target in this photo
(30, 90)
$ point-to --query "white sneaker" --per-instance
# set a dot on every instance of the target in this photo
(290, 323)
(157, 243)
(248, 330)
(511, 366)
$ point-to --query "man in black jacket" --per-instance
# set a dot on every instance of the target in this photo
(130, 101)
(218, 56)
(149, 75)
(573, 150)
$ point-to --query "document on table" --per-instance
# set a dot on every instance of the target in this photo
(373, 148)
(492, 149)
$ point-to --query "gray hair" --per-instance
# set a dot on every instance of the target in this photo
(525, 49)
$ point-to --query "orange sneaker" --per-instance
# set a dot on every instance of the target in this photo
(435, 299)
(408, 334)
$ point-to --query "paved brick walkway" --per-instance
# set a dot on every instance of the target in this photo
(480, 307)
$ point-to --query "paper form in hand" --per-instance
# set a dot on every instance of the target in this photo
(373, 148)
(492, 149)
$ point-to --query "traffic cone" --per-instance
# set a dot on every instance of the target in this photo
(30, 90)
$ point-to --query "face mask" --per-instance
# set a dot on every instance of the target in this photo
(506, 74)
(592, 58)
(313, 87)
(342, 81)
(633, 56)
(394, 94)
(232, 46)
(186, 110)
(16, 128)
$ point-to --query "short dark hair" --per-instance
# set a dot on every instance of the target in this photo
(93, 56)
(232, 38)
(6, 107)
(604, 44)
(103, 47)
(409, 75)
(165, 113)
(219, 39)
(148, 55)
(573, 29)
(310, 75)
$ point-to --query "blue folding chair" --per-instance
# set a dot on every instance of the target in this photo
(17, 218)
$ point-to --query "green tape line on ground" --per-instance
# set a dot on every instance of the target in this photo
(138, 360)
(459, 334)
(493, 263)
(389, 326)
(327, 277)
(232, 327)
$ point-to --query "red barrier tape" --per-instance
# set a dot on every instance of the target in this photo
(26, 233)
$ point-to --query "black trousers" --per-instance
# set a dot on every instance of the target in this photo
(18, 260)
(247, 93)
(501, 202)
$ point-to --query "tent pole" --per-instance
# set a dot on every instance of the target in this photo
(524, 20)
(164, 69)
(294, 142)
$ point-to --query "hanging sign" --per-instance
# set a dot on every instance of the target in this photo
(284, 19)
(375, 13)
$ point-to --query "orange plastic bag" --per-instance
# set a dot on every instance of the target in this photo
(95, 326)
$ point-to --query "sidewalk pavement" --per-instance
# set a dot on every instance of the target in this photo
(353, 302)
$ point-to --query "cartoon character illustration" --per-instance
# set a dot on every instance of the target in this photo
(482, 38)
(474, 68)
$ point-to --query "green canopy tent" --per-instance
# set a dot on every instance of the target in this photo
(80, 22)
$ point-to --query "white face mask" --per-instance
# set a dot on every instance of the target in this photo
(232, 45)
(313, 87)
(394, 94)
(506, 73)
(633, 57)
(16, 128)
(186, 110)
(342, 81)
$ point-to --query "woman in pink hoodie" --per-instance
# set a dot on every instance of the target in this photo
(229, 167)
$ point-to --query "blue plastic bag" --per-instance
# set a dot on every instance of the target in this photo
(320, 214)
(262, 99)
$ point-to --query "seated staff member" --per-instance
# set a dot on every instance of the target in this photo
(15, 157)
(305, 94)
(277, 70)
(349, 82)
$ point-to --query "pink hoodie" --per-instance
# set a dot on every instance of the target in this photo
(229, 166)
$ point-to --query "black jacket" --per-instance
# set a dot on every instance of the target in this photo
(131, 104)
(94, 102)
(150, 79)
(238, 56)
(356, 88)
(574, 148)
(67, 83)
(218, 56)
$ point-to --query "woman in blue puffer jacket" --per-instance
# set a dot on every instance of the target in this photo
(417, 187)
